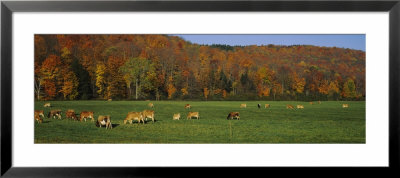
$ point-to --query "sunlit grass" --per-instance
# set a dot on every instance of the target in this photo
(324, 123)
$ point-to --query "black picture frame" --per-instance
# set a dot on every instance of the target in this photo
(8, 7)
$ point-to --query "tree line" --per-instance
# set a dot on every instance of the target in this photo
(166, 67)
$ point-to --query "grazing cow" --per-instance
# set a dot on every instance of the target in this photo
(267, 105)
(193, 114)
(232, 115)
(70, 114)
(345, 105)
(300, 107)
(54, 113)
(289, 106)
(151, 105)
(104, 120)
(148, 114)
(176, 116)
(138, 116)
(187, 106)
(243, 105)
(37, 117)
(85, 115)
(47, 105)
(40, 113)
(259, 106)
(311, 103)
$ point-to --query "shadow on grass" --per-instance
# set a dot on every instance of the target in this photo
(112, 125)
(43, 122)
(150, 121)
(141, 123)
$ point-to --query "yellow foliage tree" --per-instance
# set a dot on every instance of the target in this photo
(184, 91)
(324, 87)
(100, 70)
(206, 93)
(266, 91)
(333, 87)
(69, 88)
(171, 88)
(298, 84)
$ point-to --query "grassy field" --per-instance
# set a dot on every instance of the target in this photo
(319, 123)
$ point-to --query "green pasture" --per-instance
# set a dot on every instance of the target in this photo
(327, 122)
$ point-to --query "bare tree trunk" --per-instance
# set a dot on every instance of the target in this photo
(129, 91)
(157, 95)
(37, 89)
(137, 88)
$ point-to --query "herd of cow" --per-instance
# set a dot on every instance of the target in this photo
(105, 120)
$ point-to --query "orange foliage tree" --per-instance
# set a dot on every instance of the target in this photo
(141, 66)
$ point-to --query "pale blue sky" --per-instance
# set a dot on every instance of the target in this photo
(352, 41)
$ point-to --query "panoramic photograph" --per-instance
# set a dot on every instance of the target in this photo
(199, 88)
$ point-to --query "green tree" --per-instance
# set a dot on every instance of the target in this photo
(225, 83)
(333, 91)
(135, 70)
(349, 89)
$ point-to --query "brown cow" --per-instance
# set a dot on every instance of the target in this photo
(232, 115)
(151, 105)
(40, 113)
(148, 114)
(134, 116)
(300, 107)
(104, 120)
(311, 103)
(243, 105)
(86, 114)
(37, 117)
(54, 113)
(319, 102)
(193, 114)
(70, 114)
(345, 105)
(187, 106)
(267, 106)
(176, 116)
(289, 106)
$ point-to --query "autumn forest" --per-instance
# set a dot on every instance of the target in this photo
(166, 67)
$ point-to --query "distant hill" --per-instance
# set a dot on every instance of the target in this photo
(71, 67)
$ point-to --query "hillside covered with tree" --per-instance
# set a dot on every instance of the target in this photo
(163, 67)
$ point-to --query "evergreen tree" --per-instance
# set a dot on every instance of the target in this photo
(84, 89)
